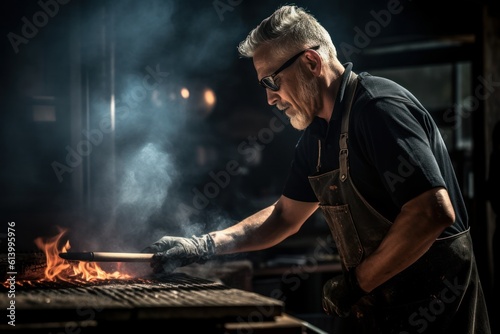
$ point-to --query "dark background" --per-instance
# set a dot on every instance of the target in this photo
(180, 166)
(81, 53)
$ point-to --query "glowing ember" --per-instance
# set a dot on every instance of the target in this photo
(58, 269)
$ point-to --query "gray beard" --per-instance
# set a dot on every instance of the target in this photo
(304, 117)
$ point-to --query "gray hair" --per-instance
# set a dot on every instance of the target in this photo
(289, 27)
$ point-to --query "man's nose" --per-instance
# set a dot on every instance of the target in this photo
(272, 97)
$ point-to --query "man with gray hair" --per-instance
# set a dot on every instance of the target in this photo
(372, 159)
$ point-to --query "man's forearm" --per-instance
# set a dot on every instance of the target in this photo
(411, 235)
(265, 228)
(243, 236)
(402, 246)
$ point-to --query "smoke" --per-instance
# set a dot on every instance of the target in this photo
(129, 183)
(146, 181)
(143, 174)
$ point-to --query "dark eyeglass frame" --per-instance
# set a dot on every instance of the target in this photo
(268, 80)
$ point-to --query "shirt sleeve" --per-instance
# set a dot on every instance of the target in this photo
(396, 137)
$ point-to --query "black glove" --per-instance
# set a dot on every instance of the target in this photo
(341, 293)
(172, 252)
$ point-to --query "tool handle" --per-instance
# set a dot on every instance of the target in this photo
(107, 256)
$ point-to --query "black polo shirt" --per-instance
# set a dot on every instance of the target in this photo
(396, 151)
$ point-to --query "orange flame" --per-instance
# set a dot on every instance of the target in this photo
(58, 269)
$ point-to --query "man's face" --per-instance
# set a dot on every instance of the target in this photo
(298, 94)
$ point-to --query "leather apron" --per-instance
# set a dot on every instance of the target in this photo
(439, 293)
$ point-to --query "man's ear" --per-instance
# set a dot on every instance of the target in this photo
(312, 60)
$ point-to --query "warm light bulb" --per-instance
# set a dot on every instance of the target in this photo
(209, 97)
(185, 93)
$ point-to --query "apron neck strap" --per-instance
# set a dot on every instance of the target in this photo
(349, 98)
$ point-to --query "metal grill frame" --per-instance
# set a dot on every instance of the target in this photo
(176, 298)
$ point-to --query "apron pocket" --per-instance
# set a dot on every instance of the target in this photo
(344, 234)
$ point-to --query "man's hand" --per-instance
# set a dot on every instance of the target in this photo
(341, 293)
(172, 252)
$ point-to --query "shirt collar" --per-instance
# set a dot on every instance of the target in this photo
(339, 100)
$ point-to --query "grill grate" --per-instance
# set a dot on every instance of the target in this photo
(174, 297)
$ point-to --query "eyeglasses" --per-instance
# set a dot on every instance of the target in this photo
(268, 81)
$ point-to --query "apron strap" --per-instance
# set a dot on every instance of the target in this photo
(349, 96)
